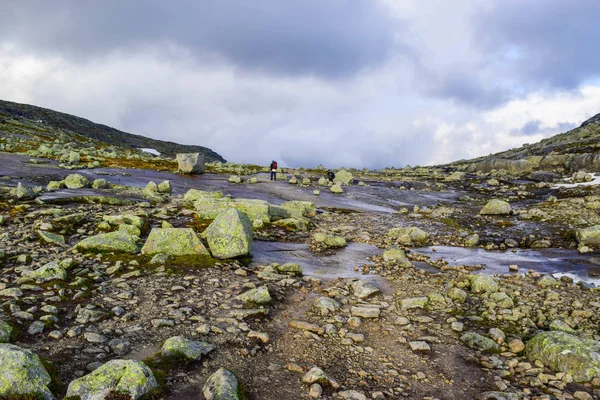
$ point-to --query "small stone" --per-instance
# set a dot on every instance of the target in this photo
(419, 346)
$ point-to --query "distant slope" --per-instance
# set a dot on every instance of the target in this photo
(577, 149)
(100, 132)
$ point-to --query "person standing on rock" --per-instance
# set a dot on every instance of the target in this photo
(273, 168)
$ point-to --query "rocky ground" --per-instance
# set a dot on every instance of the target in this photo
(128, 288)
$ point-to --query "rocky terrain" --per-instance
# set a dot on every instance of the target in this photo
(121, 278)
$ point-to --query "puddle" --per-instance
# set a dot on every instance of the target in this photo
(339, 264)
(558, 262)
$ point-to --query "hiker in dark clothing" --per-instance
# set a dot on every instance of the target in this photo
(330, 175)
(273, 168)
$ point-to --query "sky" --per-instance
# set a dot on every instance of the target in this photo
(355, 83)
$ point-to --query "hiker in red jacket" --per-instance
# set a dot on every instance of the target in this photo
(273, 169)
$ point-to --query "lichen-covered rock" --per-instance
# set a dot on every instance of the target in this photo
(255, 297)
(362, 289)
(589, 236)
(130, 229)
(397, 256)
(76, 181)
(329, 241)
(128, 219)
(5, 332)
(496, 207)
(317, 375)
(51, 238)
(100, 184)
(478, 342)
(179, 346)
(502, 300)
(455, 176)
(472, 240)
(164, 187)
(337, 189)
(46, 273)
(558, 325)
(343, 177)
(195, 194)
(121, 376)
(414, 302)
(190, 163)
(23, 192)
(483, 283)
(414, 235)
(230, 235)
(222, 385)
(234, 179)
(326, 305)
(457, 294)
(120, 242)
(174, 242)
(300, 209)
(292, 224)
(563, 352)
(547, 281)
(289, 269)
(22, 374)
(254, 209)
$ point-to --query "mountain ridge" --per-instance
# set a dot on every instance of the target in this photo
(100, 132)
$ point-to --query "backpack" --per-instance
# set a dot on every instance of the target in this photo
(274, 165)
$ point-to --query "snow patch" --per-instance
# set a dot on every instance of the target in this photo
(151, 151)
(595, 181)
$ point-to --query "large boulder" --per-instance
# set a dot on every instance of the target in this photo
(77, 181)
(23, 192)
(589, 236)
(120, 242)
(190, 163)
(179, 346)
(174, 242)
(299, 209)
(222, 385)
(230, 234)
(563, 352)
(254, 209)
(496, 207)
(343, 177)
(129, 377)
(22, 374)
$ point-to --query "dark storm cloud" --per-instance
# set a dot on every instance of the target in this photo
(548, 43)
(330, 38)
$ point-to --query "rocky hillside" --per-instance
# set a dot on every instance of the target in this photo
(577, 149)
(72, 124)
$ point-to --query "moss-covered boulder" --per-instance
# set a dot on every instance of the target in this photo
(222, 385)
(457, 294)
(77, 181)
(100, 184)
(255, 297)
(563, 352)
(414, 302)
(46, 273)
(5, 331)
(483, 283)
(129, 377)
(496, 207)
(589, 236)
(292, 224)
(180, 347)
(254, 209)
(119, 242)
(22, 374)
(397, 256)
(329, 241)
(130, 229)
(174, 242)
(289, 269)
(409, 236)
(23, 192)
(343, 177)
(478, 342)
(165, 187)
(230, 235)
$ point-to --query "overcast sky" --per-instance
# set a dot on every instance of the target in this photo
(363, 83)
